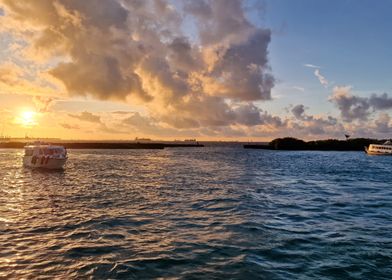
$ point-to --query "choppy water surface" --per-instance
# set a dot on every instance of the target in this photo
(198, 213)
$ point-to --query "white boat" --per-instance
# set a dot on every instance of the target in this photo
(383, 149)
(43, 155)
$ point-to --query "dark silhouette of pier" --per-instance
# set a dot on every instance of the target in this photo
(289, 143)
(107, 145)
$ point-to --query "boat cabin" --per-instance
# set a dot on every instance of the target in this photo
(45, 150)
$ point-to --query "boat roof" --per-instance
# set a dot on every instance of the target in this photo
(43, 146)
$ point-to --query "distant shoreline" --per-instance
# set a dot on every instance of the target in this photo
(293, 144)
(106, 145)
(287, 143)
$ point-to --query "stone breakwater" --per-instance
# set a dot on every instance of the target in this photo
(107, 145)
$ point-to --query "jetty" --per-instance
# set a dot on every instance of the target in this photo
(258, 146)
(108, 145)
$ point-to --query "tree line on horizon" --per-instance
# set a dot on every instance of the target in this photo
(290, 143)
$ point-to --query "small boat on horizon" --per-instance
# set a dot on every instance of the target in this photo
(380, 149)
(44, 155)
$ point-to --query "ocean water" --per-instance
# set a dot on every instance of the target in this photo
(202, 213)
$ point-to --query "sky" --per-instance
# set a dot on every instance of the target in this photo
(205, 69)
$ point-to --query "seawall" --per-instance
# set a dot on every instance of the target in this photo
(106, 145)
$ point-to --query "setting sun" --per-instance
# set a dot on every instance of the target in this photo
(27, 118)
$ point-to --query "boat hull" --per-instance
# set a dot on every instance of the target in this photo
(373, 152)
(48, 163)
(378, 154)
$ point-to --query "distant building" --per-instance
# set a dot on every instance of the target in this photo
(142, 139)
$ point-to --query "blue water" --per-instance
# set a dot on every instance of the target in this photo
(203, 213)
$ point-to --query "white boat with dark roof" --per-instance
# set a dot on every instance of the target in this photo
(380, 149)
(44, 155)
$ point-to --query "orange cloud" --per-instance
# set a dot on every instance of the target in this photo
(107, 51)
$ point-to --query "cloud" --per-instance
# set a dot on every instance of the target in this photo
(137, 51)
(95, 123)
(42, 103)
(240, 70)
(298, 111)
(69, 126)
(311, 125)
(87, 117)
(248, 114)
(354, 107)
(383, 124)
(274, 122)
(317, 73)
(10, 73)
(146, 125)
(15, 79)
(122, 112)
(140, 121)
(321, 78)
(351, 107)
(382, 102)
(311, 66)
(153, 127)
(220, 21)
(301, 89)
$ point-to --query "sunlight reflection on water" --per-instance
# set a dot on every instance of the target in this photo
(212, 212)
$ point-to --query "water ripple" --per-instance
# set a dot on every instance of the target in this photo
(207, 213)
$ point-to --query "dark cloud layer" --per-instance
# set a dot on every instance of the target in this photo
(311, 125)
(354, 107)
(381, 102)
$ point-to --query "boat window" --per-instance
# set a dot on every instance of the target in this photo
(59, 151)
(51, 151)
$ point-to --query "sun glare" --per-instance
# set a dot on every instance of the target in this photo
(27, 118)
